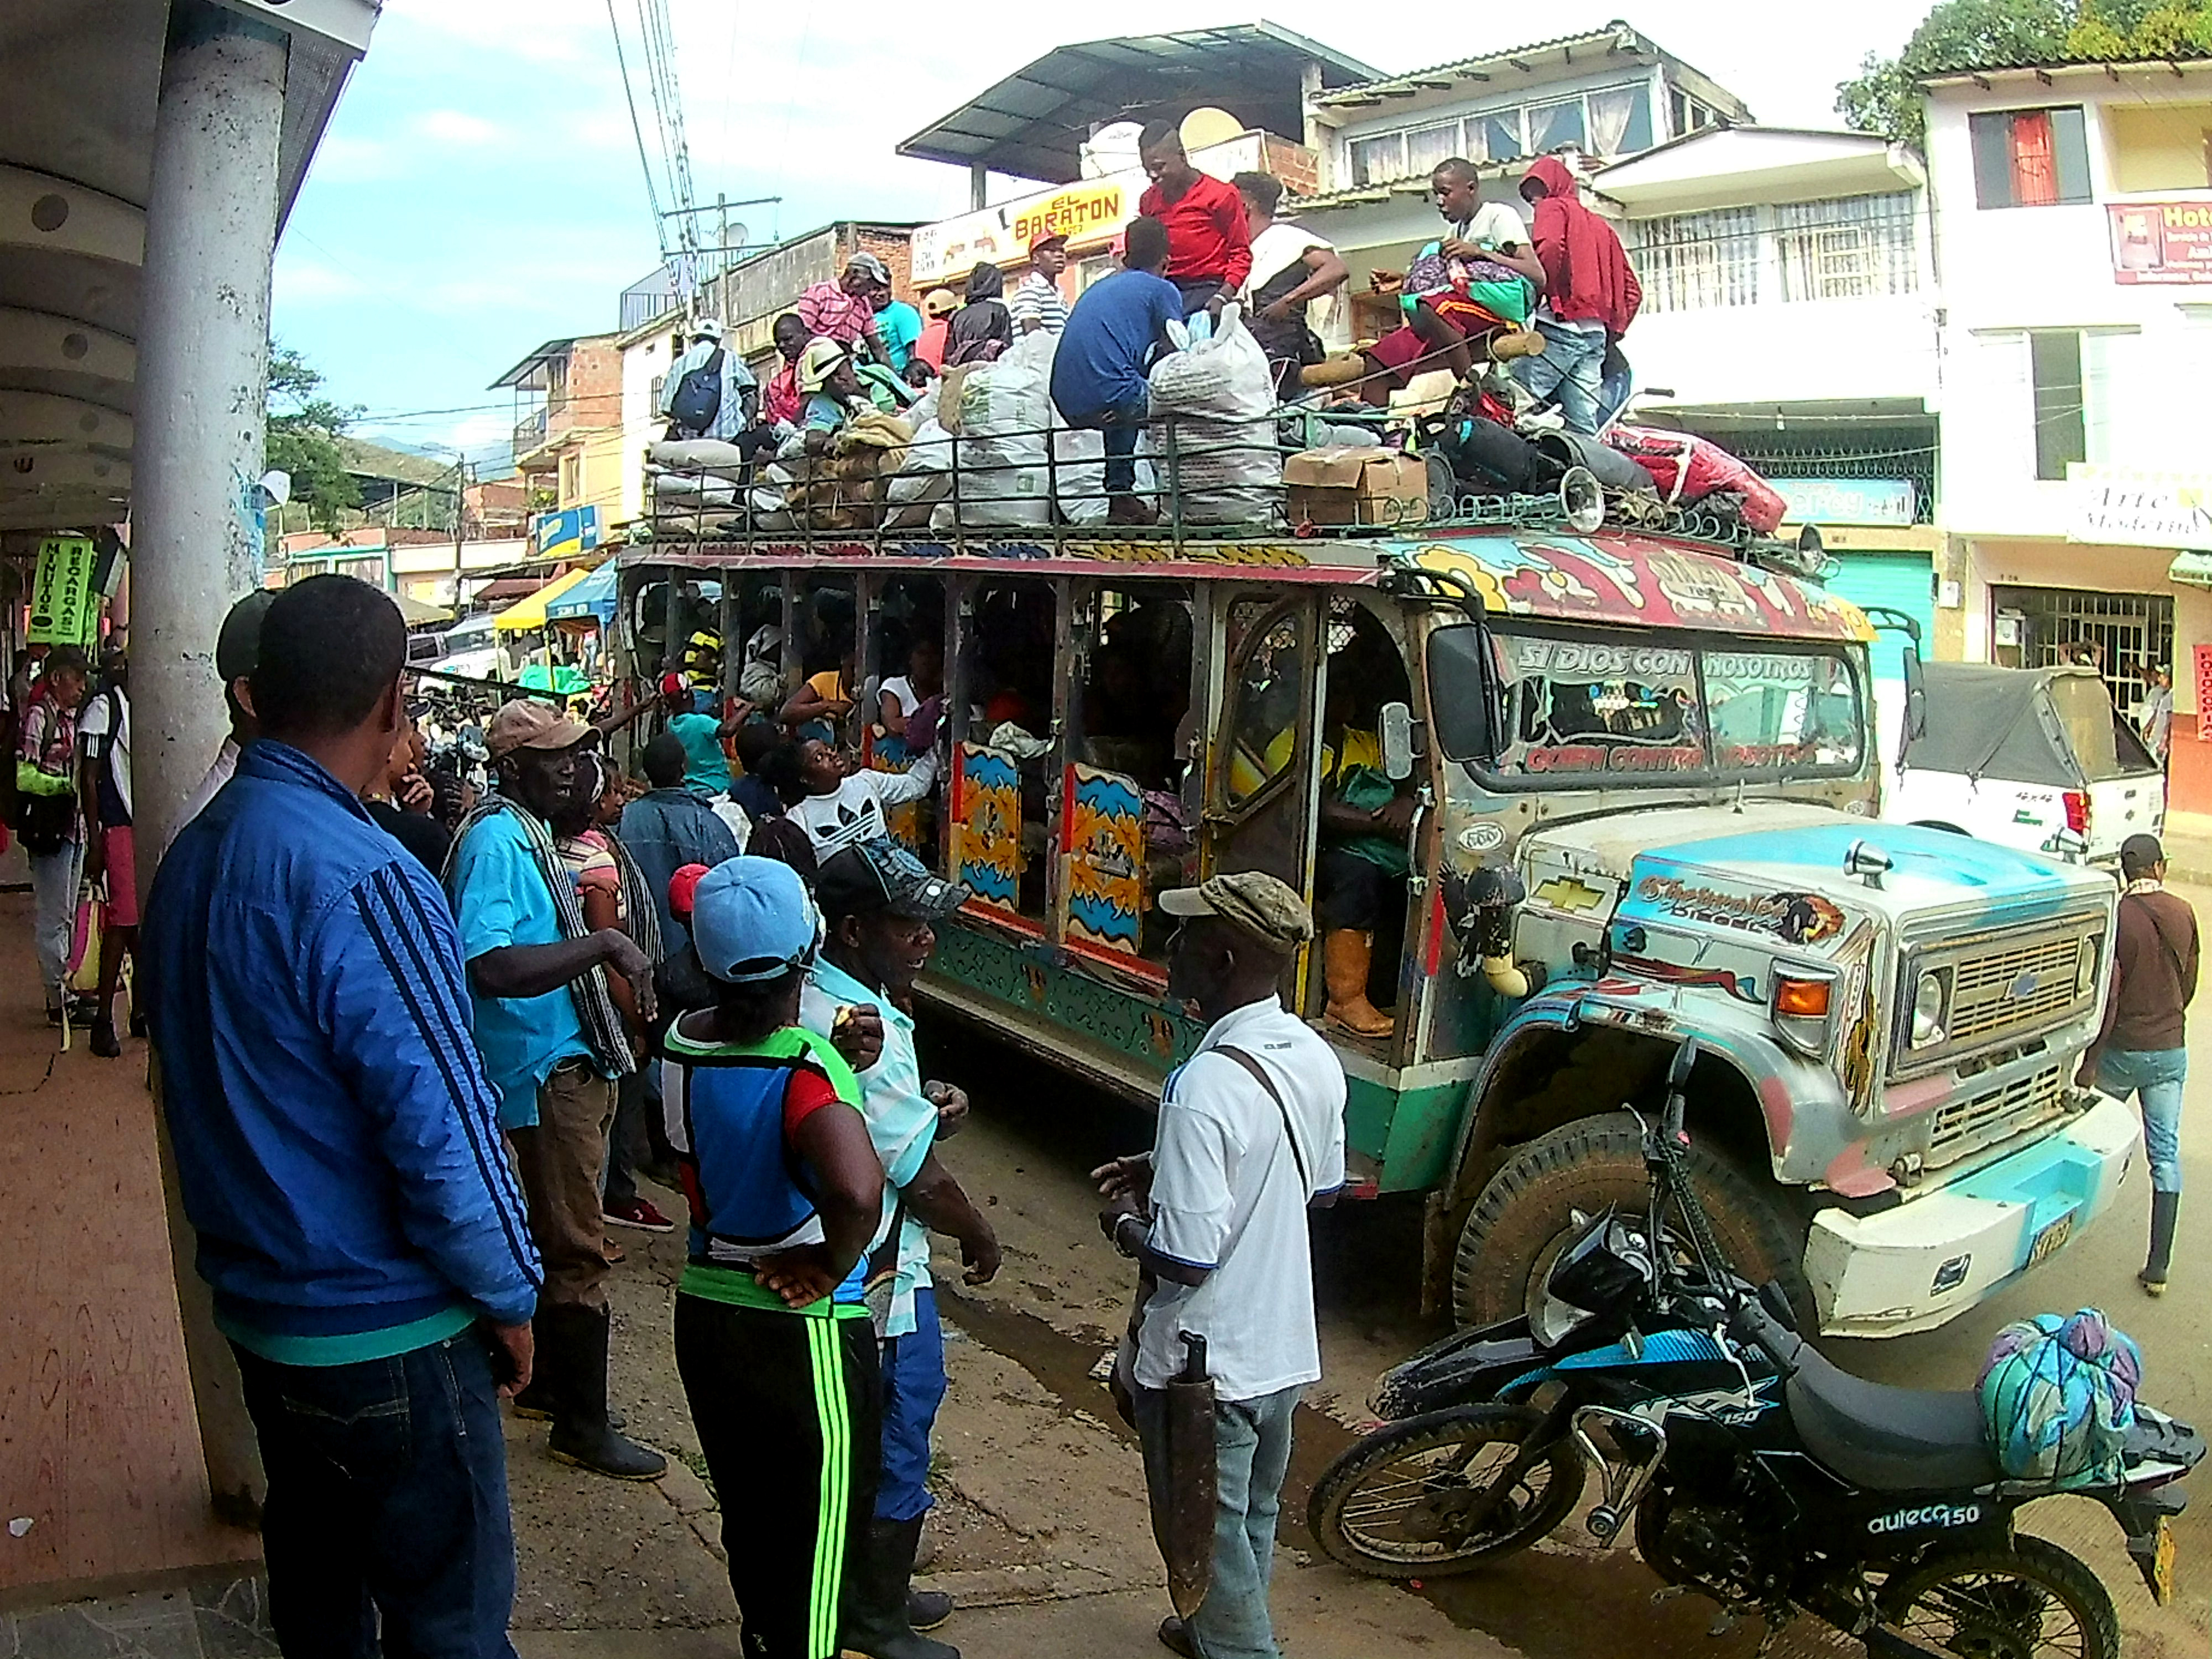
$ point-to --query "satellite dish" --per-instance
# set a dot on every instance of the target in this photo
(1206, 126)
(736, 237)
(277, 486)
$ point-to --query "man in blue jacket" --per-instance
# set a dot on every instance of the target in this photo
(338, 1152)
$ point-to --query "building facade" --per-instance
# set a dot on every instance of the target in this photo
(2072, 207)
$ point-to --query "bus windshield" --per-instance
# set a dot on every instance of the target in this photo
(1569, 704)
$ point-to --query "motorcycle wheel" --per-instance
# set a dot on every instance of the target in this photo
(1528, 1212)
(2033, 1601)
(1390, 1505)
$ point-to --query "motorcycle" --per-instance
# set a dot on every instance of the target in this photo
(1748, 1468)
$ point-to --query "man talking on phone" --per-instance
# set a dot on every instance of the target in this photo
(339, 1159)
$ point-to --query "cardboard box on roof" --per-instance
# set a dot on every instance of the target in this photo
(1357, 485)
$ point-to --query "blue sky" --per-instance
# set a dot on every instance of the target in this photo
(479, 190)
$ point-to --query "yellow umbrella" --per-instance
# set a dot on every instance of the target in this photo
(529, 612)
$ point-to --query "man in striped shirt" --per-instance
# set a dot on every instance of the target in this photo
(1037, 303)
(339, 1158)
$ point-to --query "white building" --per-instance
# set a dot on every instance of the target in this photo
(2073, 212)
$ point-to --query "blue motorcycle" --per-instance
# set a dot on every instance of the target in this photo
(1748, 1468)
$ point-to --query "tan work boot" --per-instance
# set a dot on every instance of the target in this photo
(1338, 368)
(1345, 955)
(1518, 342)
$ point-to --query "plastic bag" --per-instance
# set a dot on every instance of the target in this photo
(2059, 1398)
(1004, 411)
(1214, 430)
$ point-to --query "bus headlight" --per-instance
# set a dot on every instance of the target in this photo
(1931, 1006)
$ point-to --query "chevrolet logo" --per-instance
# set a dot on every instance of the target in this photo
(2023, 986)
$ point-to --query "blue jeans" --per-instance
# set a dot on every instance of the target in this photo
(1252, 1452)
(1568, 370)
(53, 914)
(1120, 424)
(387, 1499)
(2156, 1076)
(914, 1388)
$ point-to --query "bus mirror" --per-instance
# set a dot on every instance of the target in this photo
(1397, 736)
(1915, 695)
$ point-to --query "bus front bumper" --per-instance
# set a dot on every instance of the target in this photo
(1931, 1258)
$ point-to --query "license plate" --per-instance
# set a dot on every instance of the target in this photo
(2051, 1240)
(2161, 1564)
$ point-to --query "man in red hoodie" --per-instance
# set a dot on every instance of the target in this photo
(1590, 295)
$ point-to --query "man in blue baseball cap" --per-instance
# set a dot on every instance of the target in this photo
(881, 904)
(773, 1340)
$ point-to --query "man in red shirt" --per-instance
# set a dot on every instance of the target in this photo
(1209, 244)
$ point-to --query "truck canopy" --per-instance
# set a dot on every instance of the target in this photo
(2054, 726)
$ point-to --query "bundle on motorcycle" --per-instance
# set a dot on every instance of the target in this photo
(1750, 1469)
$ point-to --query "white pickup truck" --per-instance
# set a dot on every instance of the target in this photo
(2033, 758)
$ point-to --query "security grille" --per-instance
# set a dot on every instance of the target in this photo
(1966, 1127)
(2121, 634)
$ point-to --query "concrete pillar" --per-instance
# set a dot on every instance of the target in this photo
(196, 539)
(979, 187)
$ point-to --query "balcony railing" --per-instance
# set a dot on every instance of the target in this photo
(530, 431)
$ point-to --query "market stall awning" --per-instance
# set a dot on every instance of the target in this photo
(417, 614)
(528, 613)
(594, 597)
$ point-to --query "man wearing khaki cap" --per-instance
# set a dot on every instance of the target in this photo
(1251, 1133)
(554, 1044)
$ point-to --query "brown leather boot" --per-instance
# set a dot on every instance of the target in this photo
(1339, 368)
(1345, 955)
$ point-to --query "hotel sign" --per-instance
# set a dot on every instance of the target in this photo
(2161, 241)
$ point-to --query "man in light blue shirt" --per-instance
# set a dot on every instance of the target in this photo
(879, 902)
(739, 403)
(554, 1044)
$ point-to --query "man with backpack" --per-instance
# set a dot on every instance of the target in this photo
(48, 821)
(709, 393)
(2143, 1049)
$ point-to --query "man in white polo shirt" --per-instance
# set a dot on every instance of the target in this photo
(1251, 1133)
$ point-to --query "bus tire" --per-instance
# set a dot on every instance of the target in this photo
(1526, 1215)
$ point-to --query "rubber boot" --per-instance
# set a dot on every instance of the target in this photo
(876, 1626)
(1347, 954)
(581, 1434)
(926, 1609)
(2165, 1211)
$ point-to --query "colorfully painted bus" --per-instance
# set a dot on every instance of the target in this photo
(1641, 795)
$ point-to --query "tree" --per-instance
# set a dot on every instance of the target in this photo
(301, 437)
(1958, 34)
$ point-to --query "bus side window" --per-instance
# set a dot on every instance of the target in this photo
(1263, 693)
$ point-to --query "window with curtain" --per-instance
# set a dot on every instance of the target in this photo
(2054, 374)
(2029, 157)
(1691, 261)
(1551, 126)
(1619, 120)
(1501, 135)
(1379, 160)
(1427, 146)
(1847, 248)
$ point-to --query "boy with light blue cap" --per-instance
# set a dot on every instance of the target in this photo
(773, 1340)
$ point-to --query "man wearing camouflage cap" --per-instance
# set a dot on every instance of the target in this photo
(1251, 1133)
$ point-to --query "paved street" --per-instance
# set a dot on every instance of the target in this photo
(1043, 1536)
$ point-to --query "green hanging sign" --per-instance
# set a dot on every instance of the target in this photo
(65, 608)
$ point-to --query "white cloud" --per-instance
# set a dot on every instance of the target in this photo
(536, 31)
(459, 127)
(301, 281)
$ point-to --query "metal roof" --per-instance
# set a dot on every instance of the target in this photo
(78, 89)
(1033, 123)
(1519, 64)
(551, 351)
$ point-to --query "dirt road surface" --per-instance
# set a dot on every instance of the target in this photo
(1041, 1532)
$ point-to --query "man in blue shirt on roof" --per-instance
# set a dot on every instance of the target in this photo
(339, 1159)
(1099, 370)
